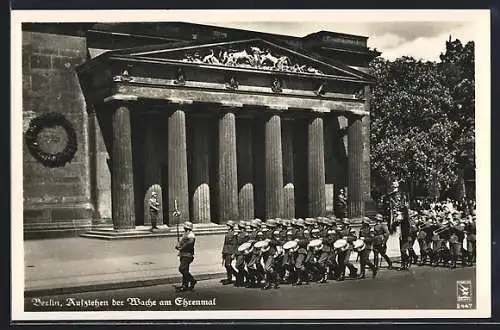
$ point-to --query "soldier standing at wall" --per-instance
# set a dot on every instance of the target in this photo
(154, 208)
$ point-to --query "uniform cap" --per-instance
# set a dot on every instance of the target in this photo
(260, 233)
(289, 233)
(330, 232)
(309, 221)
(315, 231)
(345, 221)
(261, 244)
(306, 232)
(188, 225)
(352, 230)
(315, 243)
(379, 217)
(271, 223)
(372, 229)
(276, 232)
(230, 223)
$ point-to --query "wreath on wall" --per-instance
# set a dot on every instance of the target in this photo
(49, 120)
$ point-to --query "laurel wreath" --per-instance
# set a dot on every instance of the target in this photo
(51, 119)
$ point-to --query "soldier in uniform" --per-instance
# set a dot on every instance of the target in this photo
(288, 261)
(456, 239)
(242, 237)
(341, 205)
(185, 246)
(300, 257)
(360, 246)
(364, 233)
(268, 259)
(380, 241)
(154, 208)
(470, 230)
(423, 242)
(228, 249)
(412, 237)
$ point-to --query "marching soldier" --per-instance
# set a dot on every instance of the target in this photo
(380, 241)
(423, 242)
(268, 259)
(456, 239)
(341, 247)
(242, 238)
(412, 238)
(470, 229)
(300, 256)
(229, 248)
(317, 262)
(185, 246)
(360, 247)
(154, 208)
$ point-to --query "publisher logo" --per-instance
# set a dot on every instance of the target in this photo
(464, 294)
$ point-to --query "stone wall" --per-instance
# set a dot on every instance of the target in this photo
(56, 200)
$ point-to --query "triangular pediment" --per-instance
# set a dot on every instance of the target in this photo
(256, 54)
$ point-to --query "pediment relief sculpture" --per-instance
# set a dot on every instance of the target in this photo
(251, 57)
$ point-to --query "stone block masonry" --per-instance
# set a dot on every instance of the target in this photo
(55, 199)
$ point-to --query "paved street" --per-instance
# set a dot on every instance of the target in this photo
(420, 288)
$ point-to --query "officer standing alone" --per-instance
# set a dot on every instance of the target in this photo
(185, 246)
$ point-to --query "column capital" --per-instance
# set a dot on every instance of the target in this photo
(121, 98)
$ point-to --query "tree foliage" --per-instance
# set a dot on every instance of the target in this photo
(423, 116)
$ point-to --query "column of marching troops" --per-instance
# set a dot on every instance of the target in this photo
(280, 251)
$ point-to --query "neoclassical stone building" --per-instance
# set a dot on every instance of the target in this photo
(225, 124)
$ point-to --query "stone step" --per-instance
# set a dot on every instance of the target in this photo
(144, 232)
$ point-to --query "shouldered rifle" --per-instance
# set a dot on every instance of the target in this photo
(176, 213)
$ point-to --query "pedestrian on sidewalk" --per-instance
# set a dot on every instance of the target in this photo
(186, 257)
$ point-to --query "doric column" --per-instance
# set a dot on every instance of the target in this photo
(151, 170)
(366, 182)
(228, 175)
(245, 169)
(122, 178)
(288, 171)
(316, 168)
(200, 168)
(355, 163)
(177, 167)
(274, 168)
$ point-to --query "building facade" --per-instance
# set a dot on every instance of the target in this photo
(224, 124)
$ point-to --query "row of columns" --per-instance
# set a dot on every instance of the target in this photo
(234, 202)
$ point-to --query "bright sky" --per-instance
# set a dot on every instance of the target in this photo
(422, 40)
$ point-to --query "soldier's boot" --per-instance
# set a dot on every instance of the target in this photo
(300, 276)
(324, 278)
(413, 256)
(353, 272)
(192, 283)
(423, 259)
(374, 271)
(184, 286)
(266, 286)
(388, 260)
(362, 275)
(229, 278)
